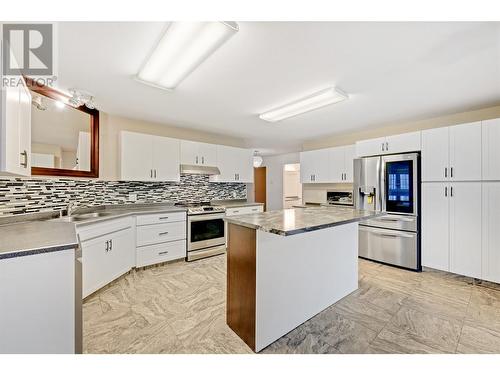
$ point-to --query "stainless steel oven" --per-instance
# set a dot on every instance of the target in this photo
(205, 235)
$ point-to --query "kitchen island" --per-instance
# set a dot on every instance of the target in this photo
(285, 266)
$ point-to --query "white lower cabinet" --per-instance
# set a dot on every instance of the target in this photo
(491, 232)
(162, 252)
(465, 228)
(233, 211)
(160, 238)
(451, 227)
(435, 226)
(107, 253)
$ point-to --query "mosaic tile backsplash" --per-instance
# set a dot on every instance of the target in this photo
(25, 195)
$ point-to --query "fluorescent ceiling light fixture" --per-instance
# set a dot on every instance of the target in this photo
(183, 47)
(309, 103)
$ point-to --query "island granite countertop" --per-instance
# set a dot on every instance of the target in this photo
(299, 220)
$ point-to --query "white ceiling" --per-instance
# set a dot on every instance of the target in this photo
(391, 71)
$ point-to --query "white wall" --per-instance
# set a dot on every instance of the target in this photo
(274, 185)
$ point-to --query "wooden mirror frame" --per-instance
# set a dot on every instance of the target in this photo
(49, 92)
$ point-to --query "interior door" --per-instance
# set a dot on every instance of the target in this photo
(465, 228)
(435, 154)
(166, 160)
(465, 152)
(435, 225)
(260, 185)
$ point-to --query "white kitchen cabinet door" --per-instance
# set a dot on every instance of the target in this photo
(465, 228)
(166, 159)
(490, 232)
(15, 150)
(208, 154)
(435, 226)
(491, 149)
(369, 147)
(189, 152)
(136, 157)
(349, 152)
(435, 154)
(307, 166)
(245, 165)
(465, 152)
(406, 142)
(196, 153)
(106, 258)
(227, 164)
(337, 164)
(314, 166)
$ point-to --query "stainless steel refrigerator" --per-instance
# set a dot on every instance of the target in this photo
(390, 184)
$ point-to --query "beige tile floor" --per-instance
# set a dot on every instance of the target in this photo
(180, 308)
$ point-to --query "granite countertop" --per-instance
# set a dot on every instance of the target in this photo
(299, 220)
(44, 232)
(110, 212)
(235, 203)
(36, 237)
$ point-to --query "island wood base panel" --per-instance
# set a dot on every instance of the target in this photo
(275, 283)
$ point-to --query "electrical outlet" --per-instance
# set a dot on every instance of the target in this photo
(132, 197)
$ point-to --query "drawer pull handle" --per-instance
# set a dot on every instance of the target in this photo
(162, 233)
(236, 212)
(163, 218)
(163, 252)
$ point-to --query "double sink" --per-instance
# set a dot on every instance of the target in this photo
(90, 215)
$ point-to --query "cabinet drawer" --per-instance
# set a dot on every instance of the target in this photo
(159, 253)
(166, 217)
(244, 210)
(157, 233)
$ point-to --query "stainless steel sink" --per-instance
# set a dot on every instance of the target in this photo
(91, 215)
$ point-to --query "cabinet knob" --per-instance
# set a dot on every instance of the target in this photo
(197, 160)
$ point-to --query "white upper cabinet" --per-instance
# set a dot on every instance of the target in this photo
(393, 144)
(368, 147)
(15, 125)
(490, 233)
(337, 164)
(465, 152)
(147, 157)
(452, 153)
(435, 154)
(235, 165)
(197, 153)
(166, 159)
(406, 142)
(349, 152)
(315, 166)
(491, 149)
(341, 164)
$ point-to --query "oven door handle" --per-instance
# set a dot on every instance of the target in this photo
(205, 217)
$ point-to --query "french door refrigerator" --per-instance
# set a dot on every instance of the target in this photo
(391, 185)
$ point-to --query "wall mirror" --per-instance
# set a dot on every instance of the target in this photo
(64, 138)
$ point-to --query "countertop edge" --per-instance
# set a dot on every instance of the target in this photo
(231, 220)
(42, 250)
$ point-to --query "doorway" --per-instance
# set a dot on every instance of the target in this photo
(260, 191)
(292, 188)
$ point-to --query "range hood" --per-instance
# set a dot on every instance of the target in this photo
(199, 169)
